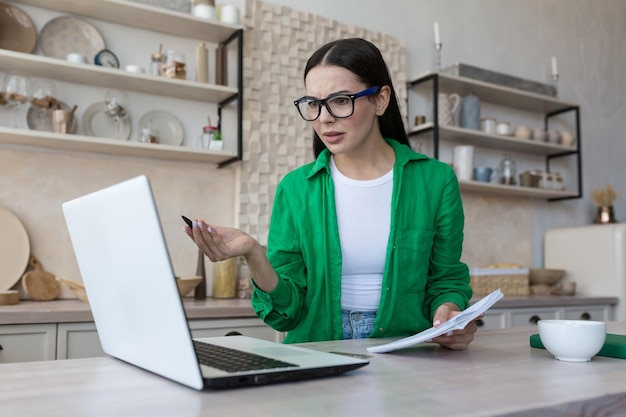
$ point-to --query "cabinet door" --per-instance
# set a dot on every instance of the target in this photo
(78, 340)
(252, 327)
(530, 316)
(598, 313)
(27, 342)
(493, 319)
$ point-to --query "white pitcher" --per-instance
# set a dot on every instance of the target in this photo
(448, 105)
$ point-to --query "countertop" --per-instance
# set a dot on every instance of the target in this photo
(499, 375)
(64, 311)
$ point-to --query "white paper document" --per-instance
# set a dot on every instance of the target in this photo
(455, 323)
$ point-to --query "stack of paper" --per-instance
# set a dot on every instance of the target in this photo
(455, 323)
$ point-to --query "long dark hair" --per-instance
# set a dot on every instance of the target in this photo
(364, 60)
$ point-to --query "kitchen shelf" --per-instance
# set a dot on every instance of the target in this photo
(496, 94)
(58, 69)
(549, 107)
(80, 143)
(479, 138)
(513, 190)
(146, 17)
(142, 16)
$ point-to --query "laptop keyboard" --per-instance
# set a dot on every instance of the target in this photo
(233, 360)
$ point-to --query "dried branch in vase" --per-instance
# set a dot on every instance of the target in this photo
(604, 197)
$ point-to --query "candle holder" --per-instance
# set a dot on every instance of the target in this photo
(555, 83)
(438, 47)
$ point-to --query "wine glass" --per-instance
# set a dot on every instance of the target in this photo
(43, 97)
(116, 104)
(16, 93)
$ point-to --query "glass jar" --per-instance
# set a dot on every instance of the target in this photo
(148, 135)
(557, 182)
(207, 137)
(507, 171)
(175, 65)
(157, 62)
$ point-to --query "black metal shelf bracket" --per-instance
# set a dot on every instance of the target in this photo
(236, 36)
(577, 153)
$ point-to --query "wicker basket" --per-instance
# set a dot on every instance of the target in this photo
(512, 282)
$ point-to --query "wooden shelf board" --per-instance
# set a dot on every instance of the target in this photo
(79, 143)
(478, 138)
(513, 190)
(46, 67)
(496, 94)
(142, 16)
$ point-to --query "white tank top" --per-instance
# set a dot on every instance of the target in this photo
(364, 218)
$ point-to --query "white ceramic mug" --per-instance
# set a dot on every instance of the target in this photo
(447, 107)
(503, 128)
(229, 14)
(463, 162)
(488, 125)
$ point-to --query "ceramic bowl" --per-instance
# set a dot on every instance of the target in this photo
(572, 340)
(538, 276)
(186, 284)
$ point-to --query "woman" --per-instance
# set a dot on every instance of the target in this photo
(366, 240)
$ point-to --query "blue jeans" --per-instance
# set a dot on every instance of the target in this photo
(357, 324)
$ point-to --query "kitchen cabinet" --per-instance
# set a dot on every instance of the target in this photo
(139, 16)
(517, 100)
(78, 340)
(27, 342)
(501, 318)
(73, 340)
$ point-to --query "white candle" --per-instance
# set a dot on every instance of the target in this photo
(437, 38)
(555, 71)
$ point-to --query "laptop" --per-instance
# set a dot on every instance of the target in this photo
(125, 266)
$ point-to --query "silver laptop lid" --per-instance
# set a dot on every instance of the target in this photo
(122, 255)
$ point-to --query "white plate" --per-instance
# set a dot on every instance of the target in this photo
(66, 34)
(14, 249)
(97, 123)
(39, 118)
(169, 129)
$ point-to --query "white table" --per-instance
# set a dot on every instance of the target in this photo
(499, 375)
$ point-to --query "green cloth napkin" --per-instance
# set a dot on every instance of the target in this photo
(614, 345)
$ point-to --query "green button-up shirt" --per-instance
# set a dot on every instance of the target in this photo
(423, 268)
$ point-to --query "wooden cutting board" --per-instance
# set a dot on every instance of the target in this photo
(39, 284)
(14, 249)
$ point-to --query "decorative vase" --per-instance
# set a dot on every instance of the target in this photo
(605, 215)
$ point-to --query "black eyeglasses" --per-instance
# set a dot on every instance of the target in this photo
(338, 105)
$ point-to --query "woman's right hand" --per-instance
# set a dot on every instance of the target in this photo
(219, 243)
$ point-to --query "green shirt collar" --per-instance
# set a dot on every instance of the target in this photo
(404, 154)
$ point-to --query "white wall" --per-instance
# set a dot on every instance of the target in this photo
(519, 37)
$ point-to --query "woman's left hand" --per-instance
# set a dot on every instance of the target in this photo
(457, 339)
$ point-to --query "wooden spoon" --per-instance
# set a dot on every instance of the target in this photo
(39, 284)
